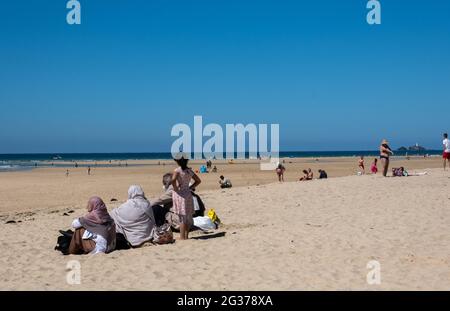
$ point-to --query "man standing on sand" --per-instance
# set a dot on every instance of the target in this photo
(446, 154)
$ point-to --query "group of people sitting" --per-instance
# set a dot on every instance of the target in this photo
(137, 221)
(208, 168)
(309, 175)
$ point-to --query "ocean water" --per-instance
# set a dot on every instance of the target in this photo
(14, 162)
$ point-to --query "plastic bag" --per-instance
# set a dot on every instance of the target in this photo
(204, 223)
(213, 216)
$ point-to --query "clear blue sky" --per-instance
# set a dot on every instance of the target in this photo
(119, 81)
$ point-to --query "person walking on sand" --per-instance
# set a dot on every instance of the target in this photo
(280, 172)
(385, 153)
(67, 173)
(89, 170)
(446, 153)
(361, 165)
(183, 202)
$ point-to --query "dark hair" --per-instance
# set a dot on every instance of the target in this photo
(305, 171)
(167, 179)
(221, 177)
(182, 162)
(375, 160)
(445, 135)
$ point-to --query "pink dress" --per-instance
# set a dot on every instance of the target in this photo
(374, 168)
(183, 203)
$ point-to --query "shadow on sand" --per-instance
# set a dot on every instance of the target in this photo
(209, 236)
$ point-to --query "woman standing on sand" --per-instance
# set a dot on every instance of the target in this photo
(385, 153)
(183, 202)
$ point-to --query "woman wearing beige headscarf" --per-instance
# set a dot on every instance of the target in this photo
(385, 152)
(134, 218)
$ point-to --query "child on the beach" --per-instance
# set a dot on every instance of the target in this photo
(183, 203)
(361, 165)
(374, 167)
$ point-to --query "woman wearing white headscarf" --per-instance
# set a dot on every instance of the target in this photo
(134, 219)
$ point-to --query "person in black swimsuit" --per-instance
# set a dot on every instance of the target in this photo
(385, 152)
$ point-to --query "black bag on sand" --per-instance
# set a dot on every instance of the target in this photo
(121, 242)
(63, 241)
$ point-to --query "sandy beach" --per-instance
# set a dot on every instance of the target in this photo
(316, 235)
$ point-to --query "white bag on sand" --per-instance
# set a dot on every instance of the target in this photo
(196, 205)
(204, 223)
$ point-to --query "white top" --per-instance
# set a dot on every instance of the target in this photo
(446, 143)
(101, 244)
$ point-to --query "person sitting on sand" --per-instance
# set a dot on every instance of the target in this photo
(385, 152)
(224, 182)
(305, 176)
(310, 174)
(322, 174)
(183, 202)
(361, 165)
(280, 172)
(162, 205)
(374, 167)
(399, 172)
(94, 232)
(135, 219)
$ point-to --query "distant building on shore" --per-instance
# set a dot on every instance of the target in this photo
(416, 147)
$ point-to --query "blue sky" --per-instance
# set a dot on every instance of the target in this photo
(119, 81)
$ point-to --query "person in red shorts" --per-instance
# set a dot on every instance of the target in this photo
(446, 154)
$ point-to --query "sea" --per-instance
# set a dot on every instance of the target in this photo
(17, 162)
